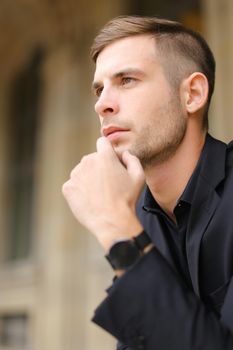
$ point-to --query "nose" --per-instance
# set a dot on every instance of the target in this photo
(107, 104)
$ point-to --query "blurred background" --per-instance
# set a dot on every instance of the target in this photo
(52, 273)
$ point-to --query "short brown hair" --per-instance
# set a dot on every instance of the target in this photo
(184, 48)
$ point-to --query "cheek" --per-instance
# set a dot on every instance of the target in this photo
(142, 103)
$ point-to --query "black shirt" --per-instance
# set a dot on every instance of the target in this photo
(175, 233)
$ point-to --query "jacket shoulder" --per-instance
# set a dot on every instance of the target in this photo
(230, 154)
(230, 146)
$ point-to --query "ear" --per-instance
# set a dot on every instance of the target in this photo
(195, 89)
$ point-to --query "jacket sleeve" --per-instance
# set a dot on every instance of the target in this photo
(121, 346)
(150, 308)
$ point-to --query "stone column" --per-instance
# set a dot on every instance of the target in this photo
(70, 281)
(59, 244)
(4, 145)
(218, 25)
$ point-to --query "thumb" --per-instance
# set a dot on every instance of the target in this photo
(134, 168)
(103, 145)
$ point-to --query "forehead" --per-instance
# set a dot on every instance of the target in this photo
(137, 51)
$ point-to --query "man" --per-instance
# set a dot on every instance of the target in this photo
(171, 245)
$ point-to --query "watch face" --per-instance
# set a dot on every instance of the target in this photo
(123, 254)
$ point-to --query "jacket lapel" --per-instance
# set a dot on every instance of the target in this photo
(205, 202)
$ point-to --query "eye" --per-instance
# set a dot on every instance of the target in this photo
(98, 91)
(127, 80)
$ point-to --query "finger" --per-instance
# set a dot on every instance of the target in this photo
(134, 167)
(104, 145)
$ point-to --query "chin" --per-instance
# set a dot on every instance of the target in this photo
(119, 149)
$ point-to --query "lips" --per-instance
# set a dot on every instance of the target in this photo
(112, 130)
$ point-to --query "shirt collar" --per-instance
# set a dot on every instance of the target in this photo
(187, 196)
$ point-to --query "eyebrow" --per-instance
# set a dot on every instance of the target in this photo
(121, 73)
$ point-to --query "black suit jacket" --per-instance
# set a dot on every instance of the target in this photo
(150, 306)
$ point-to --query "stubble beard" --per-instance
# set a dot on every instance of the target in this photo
(154, 148)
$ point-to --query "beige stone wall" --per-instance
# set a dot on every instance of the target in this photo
(218, 25)
(67, 295)
(63, 281)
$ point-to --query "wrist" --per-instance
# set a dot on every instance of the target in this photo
(125, 253)
(121, 228)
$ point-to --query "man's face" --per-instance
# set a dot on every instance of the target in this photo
(138, 109)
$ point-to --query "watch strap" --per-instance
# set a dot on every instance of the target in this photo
(142, 240)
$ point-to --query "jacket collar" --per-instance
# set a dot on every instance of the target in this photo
(205, 201)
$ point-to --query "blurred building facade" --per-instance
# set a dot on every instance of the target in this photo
(52, 274)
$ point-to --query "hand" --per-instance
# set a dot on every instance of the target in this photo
(102, 193)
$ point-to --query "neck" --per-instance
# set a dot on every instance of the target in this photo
(168, 180)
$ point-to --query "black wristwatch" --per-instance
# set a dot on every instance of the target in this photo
(124, 254)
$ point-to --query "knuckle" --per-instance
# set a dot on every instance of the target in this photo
(88, 159)
(65, 188)
(73, 172)
(85, 159)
